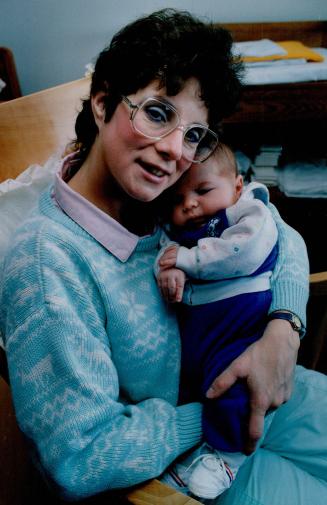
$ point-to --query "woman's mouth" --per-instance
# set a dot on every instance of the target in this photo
(152, 169)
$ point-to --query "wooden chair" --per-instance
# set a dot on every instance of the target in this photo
(313, 351)
(34, 126)
(31, 128)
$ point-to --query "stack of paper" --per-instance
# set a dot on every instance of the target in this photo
(265, 165)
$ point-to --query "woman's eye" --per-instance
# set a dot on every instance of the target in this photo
(194, 135)
(157, 114)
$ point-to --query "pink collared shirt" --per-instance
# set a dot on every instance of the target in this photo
(108, 232)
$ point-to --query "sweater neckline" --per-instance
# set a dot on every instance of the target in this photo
(50, 207)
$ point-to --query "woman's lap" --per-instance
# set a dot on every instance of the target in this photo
(298, 430)
(268, 479)
(291, 465)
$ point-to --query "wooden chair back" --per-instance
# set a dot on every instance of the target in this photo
(34, 126)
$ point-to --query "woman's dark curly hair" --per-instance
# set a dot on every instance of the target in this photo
(169, 46)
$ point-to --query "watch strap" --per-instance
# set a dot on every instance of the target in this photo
(289, 316)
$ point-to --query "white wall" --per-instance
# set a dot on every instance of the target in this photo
(52, 40)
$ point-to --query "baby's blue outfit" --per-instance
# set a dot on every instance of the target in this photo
(94, 360)
(213, 334)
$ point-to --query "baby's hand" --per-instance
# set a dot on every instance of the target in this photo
(171, 284)
(169, 258)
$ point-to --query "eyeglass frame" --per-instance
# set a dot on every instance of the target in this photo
(135, 108)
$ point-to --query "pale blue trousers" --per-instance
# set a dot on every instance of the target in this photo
(290, 465)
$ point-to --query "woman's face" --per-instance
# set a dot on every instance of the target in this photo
(143, 168)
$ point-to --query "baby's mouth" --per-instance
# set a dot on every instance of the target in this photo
(195, 223)
(152, 169)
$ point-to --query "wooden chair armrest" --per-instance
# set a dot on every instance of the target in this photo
(313, 350)
(155, 492)
(318, 284)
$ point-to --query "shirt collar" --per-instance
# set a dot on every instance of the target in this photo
(106, 230)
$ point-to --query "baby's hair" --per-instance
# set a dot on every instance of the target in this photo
(223, 160)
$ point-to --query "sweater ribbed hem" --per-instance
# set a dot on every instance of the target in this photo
(189, 425)
(290, 296)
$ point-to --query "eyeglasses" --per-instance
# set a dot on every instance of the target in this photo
(155, 119)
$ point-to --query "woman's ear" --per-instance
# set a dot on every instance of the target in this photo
(98, 107)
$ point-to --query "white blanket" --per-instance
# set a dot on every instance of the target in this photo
(304, 179)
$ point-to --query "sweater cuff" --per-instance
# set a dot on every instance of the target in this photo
(189, 425)
(292, 297)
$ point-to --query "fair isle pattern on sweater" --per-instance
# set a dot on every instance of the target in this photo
(98, 353)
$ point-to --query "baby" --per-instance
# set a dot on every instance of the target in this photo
(218, 259)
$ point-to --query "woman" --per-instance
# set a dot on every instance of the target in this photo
(93, 351)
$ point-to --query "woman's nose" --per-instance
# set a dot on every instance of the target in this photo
(171, 146)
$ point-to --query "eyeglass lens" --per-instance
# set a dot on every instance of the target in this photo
(155, 119)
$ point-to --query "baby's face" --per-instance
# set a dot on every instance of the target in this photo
(201, 193)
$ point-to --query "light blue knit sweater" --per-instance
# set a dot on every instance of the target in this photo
(94, 353)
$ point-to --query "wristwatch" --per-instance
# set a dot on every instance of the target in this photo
(287, 315)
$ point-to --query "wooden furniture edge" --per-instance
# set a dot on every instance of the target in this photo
(284, 100)
(318, 284)
(155, 492)
(35, 126)
(55, 89)
(310, 32)
(318, 277)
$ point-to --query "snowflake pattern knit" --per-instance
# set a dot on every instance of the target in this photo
(98, 352)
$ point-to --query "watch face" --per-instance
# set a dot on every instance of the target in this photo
(296, 322)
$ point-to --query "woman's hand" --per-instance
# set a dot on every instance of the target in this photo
(268, 367)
